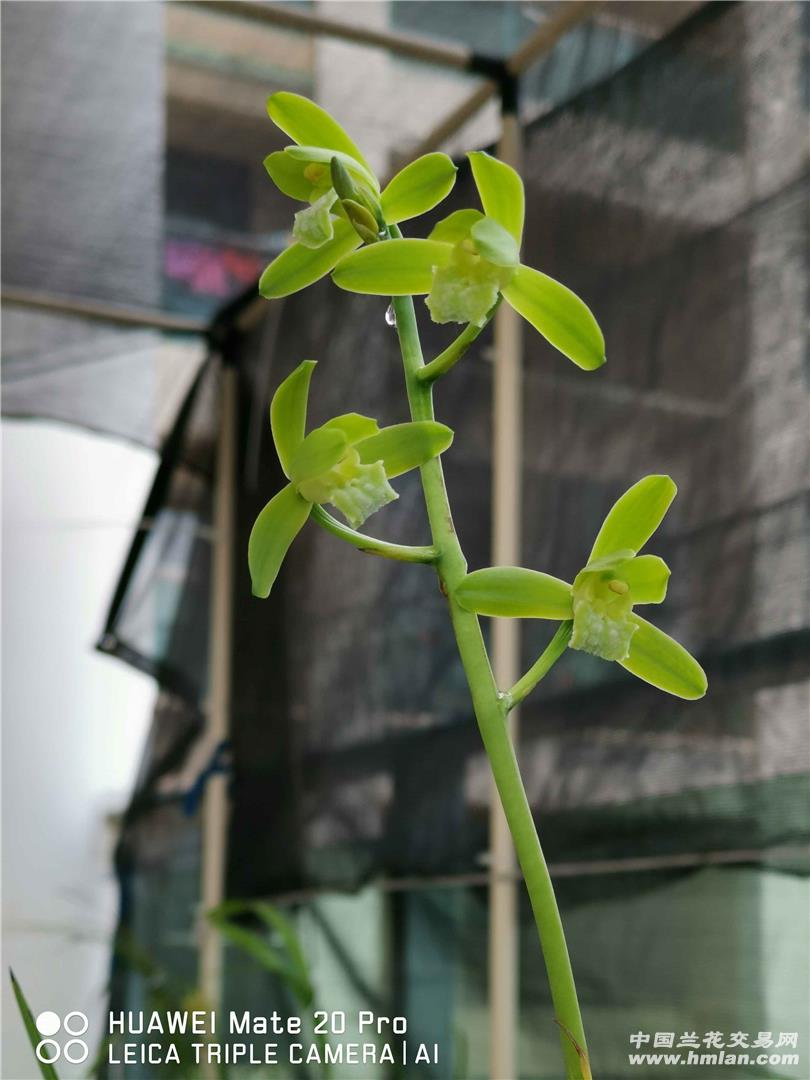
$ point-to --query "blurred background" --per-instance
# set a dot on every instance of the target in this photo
(666, 163)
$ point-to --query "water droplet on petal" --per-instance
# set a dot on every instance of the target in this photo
(390, 315)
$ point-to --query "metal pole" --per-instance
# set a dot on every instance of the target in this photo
(507, 435)
(215, 803)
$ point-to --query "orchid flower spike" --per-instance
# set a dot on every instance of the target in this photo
(347, 462)
(601, 600)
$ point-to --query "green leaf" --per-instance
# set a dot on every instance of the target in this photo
(658, 659)
(418, 188)
(288, 413)
(514, 592)
(634, 516)
(309, 125)
(320, 451)
(277, 960)
(494, 243)
(273, 531)
(559, 315)
(354, 426)
(299, 266)
(405, 446)
(456, 226)
(47, 1071)
(647, 576)
(392, 267)
(501, 191)
(276, 922)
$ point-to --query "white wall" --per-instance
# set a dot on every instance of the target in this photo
(73, 720)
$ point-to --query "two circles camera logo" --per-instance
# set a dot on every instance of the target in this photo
(74, 1050)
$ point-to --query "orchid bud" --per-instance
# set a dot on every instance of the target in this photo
(362, 221)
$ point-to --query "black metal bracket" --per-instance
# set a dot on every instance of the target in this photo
(497, 69)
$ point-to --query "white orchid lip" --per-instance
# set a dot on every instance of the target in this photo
(315, 226)
(603, 623)
(357, 490)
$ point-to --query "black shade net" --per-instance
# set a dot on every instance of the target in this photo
(674, 203)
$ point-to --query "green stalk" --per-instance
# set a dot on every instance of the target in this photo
(542, 665)
(455, 350)
(490, 710)
(369, 544)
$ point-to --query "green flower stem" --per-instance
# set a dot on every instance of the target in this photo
(491, 707)
(542, 665)
(429, 373)
(370, 545)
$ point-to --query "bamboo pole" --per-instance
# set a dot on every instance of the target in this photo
(542, 41)
(546, 36)
(507, 435)
(410, 45)
(101, 311)
(215, 803)
(450, 124)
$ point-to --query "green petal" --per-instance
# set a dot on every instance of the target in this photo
(494, 243)
(298, 266)
(274, 530)
(635, 516)
(513, 592)
(656, 658)
(559, 315)
(501, 191)
(288, 413)
(287, 174)
(317, 155)
(456, 226)
(320, 451)
(418, 188)
(392, 267)
(405, 446)
(309, 125)
(354, 426)
(647, 576)
(611, 561)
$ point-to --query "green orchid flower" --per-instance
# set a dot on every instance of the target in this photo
(346, 208)
(469, 260)
(346, 462)
(601, 600)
